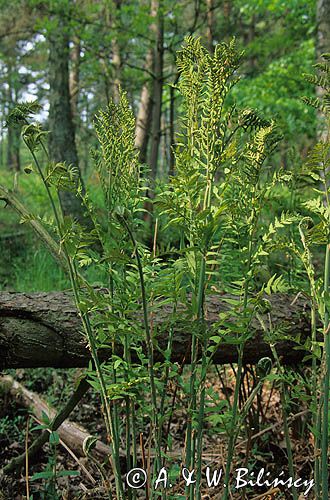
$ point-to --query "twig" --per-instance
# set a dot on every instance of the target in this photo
(79, 462)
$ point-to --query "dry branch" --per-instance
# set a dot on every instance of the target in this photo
(72, 434)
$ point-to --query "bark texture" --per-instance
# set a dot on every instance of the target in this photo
(157, 89)
(210, 23)
(323, 27)
(144, 115)
(62, 145)
(13, 133)
(74, 78)
(43, 329)
(116, 53)
(145, 110)
(322, 47)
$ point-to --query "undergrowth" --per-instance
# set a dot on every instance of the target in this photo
(226, 230)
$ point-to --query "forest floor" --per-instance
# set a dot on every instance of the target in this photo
(261, 442)
(262, 445)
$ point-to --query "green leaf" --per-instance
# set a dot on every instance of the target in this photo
(66, 473)
(54, 438)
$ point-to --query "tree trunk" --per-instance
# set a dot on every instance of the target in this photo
(172, 132)
(112, 66)
(62, 146)
(323, 27)
(116, 56)
(143, 119)
(210, 24)
(322, 47)
(13, 156)
(144, 115)
(13, 132)
(44, 329)
(157, 94)
(74, 78)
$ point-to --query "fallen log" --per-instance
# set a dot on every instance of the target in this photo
(44, 330)
(72, 434)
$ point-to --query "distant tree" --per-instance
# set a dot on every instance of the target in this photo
(157, 93)
(323, 27)
(13, 134)
(12, 30)
(144, 114)
(62, 145)
(322, 47)
(74, 76)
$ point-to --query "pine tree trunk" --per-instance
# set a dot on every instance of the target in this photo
(157, 89)
(116, 56)
(322, 47)
(13, 133)
(74, 78)
(62, 145)
(143, 120)
(323, 27)
(144, 114)
(44, 329)
(172, 132)
(210, 24)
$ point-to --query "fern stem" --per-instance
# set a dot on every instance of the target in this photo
(283, 396)
(148, 340)
(325, 427)
(200, 305)
(233, 434)
(87, 327)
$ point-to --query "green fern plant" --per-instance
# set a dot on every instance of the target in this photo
(318, 167)
(216, 199)
(312, 225)
(217, 193)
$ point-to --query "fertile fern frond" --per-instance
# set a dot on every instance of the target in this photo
(319, 80)
(204, 83)
(262, 144)
(33, 135)
(318, 158)
(192, 62)
(117, 161)
(322, 66)
(214, 144)
(313, 102)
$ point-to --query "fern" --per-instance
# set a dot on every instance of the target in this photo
(117, 162)
(322, 80)
(22, 112)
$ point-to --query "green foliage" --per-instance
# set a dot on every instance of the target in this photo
(50, 474)
(117, 162)
(218, 203)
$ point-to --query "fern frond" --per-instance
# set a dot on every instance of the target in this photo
(22, 111)
(251, 119)
(321, 80)
(117, 161)
(62, 176)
